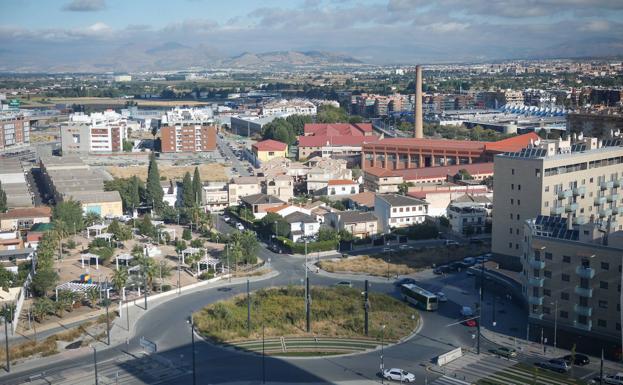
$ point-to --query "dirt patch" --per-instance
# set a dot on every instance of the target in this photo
(208, 172)
(365, 265)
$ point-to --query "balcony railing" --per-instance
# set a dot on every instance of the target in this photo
(571, 207)
(600, 200)
(605, 213)
(557, 210)
(587, 326)
(613, 197)
(580, 190)
(584, 292)
(617, 210)
(606, 185)
(534, 281)
(535, 300)
(585, 272)
(618, 182)
(540, 265)
(580, 220)
(583, 310)
(565, 194)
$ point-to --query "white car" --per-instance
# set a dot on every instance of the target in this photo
(398, 375)
(226, 218)
(239, 226)
(441, 296)
(614, 379)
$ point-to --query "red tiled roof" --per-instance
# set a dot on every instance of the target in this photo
(33, 212)
(378, 171)
(358, 129)
(443, 171)
(365, 198)
(270, 145)
(436, 144)
(334, 182)
(323, 140)
(513, 144)
(276, 208)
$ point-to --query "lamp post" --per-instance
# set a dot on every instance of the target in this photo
(307, 318)
(555, 303)
(382, 352)
(389, 253)
(95, 364)
(6, 338)
(192, 339)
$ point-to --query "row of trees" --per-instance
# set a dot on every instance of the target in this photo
(3, 200)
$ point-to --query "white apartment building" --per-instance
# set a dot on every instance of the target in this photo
(215, 196)
(396, 211)
(302, 226)
(95, 132)
(580, 181)
(242, 187)
(289, 107)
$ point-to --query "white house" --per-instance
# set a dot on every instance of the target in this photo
(395, 211)
(337, 187)
(171, 193)
(302, 225)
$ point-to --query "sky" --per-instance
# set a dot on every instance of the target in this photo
(374, 31)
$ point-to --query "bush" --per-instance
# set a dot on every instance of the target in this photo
(426, 230)
(206, 275)
(299, 248)
(186, 235)
(166, 287)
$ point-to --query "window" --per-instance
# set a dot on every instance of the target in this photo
(518, 202)
(605, 266)
(510, 245)
(547, 274)
(512, 201)
(548, 255)
(510, 230)
(511, 215)
(603, 304)
(565, 277)
(518, 217)
(512, 186)
(547, 292)
(518, 187)
(512, 171)
(537, 172)
(602, 323)
(563, 314)
(546, 188)
(564, 296)
(566, 259)
(603, 285)
(545, 310)
(618, 326)
(582, 319)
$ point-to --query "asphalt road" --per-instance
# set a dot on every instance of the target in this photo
(167, 325)
(241, 167)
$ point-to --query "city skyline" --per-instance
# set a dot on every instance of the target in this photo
(82, 34)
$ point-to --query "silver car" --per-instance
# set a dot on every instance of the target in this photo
(396, 374)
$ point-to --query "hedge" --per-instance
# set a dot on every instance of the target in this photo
(299, 248)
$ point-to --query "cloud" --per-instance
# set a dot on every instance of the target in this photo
(597, 26)
(85, 5)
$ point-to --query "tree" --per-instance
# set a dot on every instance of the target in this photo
(145, 227)
(120, 231)
(130, 191)
(3, 200)
(331, 114)
(197, 186)
(188, 195)
(128, 145)
(6, 278)
(41, 308)
(92, 295)
(45, 280)
(326, 234)
(148, 266)
(444, 221)
(356, 172)
(119, 279)
(60, 233)
(273, 223)
(403, 188)
(153, 190)
(250, 246)
(463, 174)
(187, 235)
(91, 218)
(69, 212)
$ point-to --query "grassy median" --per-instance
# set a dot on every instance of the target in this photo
(335, 312)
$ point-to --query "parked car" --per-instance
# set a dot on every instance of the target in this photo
(344, 284)
(614, 379)
(396, 374)
(470, 261)
(404, 281)
(226, 218)
(483, 258)
(580, 359)
(441, 296)
(467, 311)
(505, 352)
(239, 226)
(472, 323)
(451, 243)
(556, 365)
(441, 270)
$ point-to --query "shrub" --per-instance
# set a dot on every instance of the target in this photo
(206, 275)
(299, 248)
(166, 287)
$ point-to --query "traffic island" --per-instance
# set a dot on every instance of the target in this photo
(279, 324)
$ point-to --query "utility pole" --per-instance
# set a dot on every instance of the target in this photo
(366, 307)
(555, 323)
(307, 325)
(264, 357)
(6, 339)
(95, 364)
(192, 338)
(145, 284)
(382, 352)
(601, 368)
(248, 308)
(108, 323)
(479, 321)
(179, 271)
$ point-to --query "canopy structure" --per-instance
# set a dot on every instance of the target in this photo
(89, 257)
(208, 262)
(96, 228)
(106, 236)
(192, 251)
(79, 287)
(167, 230)
(125, 258)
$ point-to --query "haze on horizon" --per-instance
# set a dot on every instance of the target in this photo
(81, 34)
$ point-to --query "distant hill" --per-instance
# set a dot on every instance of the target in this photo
(278, 59)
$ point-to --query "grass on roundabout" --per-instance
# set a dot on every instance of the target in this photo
(336, 313)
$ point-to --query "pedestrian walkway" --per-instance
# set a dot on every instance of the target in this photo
(472, 367)
(447, 380)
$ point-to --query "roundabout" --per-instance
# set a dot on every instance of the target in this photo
(273, 321)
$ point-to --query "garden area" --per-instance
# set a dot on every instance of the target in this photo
(336, 312)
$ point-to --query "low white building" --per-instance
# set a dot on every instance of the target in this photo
(302, 226)
(467, 220)
(289, 107)
(341, 187)
(396, 211)
(171, 193)
(215, 196)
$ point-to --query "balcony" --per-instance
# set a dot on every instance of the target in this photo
(587, 326)
(581, 220)
(585, 272)
(617, 210)
(565, 194)
(581, 190)
(535, 300)
(618, 183)
(613, 197)
(571, 207)
(600, 201)
(584, 292)
(534, 281)
(537, 316)
(605, 213)
(540, 265)
(606, 185)
(557, 210)
(583, 310)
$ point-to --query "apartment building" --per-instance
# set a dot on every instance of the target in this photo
(187, 130)
(381, 180)
(269, 149)
(467, 220)
(571, 277)
(280, 186)
(360, 224)
(396, 211)
(289, 107)
(215, 196)
(14, 130)
(580, 181)
(243, 186)
(96, 132)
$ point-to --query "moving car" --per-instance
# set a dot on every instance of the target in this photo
(344, 284)
(614, 379)
(239, 226)
(580, 359)
(505, 352)
(403, 281)
(441, 270)
(556, 365)
(396, 374)
(441, 296)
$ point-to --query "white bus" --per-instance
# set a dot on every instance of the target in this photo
(419, 297)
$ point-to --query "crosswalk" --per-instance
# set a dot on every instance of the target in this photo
(492, 370)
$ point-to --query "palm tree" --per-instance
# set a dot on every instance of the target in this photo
(63, 302)
(92, 295)
(41, 308)
(60, 233)
(120, 279)
(148, 267)
(91, 218)
(164, 271)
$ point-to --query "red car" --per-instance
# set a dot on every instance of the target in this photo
(471, 323)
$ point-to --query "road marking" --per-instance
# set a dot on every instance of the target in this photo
(588, 375)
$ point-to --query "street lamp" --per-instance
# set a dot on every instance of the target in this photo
(555, 303)
(382, 351)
